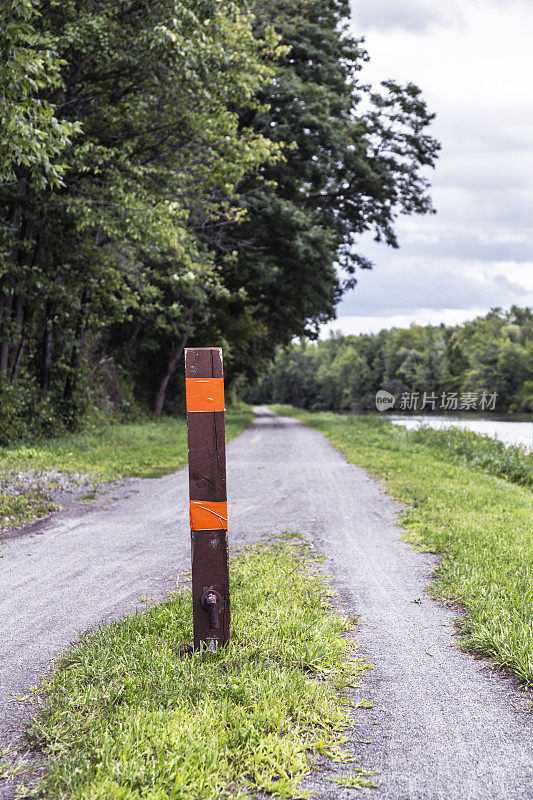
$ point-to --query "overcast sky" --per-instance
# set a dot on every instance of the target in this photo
(473, 61)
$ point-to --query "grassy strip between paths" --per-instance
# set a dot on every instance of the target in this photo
(109, 452)
(125, 717)
(483, 525)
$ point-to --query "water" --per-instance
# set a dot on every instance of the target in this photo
(510, 433)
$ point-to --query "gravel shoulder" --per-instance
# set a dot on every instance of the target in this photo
(61, 492)
(442, 725)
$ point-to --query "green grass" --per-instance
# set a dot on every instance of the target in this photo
(477, 451)
(144, 449)
(360, 779)
(482, 524)
(107, 452)
(124, 717)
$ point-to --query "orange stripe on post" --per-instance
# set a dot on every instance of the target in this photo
(208, 515)
(205, 394)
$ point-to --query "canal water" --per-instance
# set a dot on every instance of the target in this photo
(515, 432)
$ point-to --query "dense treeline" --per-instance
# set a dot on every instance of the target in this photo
(177, 171)
(483, 365)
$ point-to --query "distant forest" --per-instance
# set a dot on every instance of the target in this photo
(483, 365)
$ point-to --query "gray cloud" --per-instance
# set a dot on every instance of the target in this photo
(465, 246)
(471, 60)
(416, 16)
(398, 288)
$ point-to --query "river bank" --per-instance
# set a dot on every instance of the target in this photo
(479, 522)
(517, 432)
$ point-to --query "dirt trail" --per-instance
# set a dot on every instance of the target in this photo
(442, 726)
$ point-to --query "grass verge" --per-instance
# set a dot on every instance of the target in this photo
(476, 450)
(124, 717)
(108, 452)
(144, 449)
(482, 524)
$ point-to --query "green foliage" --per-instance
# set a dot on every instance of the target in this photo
(491, 354)
(481, 524)
(31, 136)
(183, 171)
(150, 89)
(360, 779)
(345, 171)
(125, 717)
(26, 413)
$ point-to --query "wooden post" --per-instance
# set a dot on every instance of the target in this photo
(204, 383)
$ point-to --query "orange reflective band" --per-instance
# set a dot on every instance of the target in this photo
(207, 515)
(205, 394)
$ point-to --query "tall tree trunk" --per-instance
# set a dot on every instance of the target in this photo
(131, 340)
(175, 356)
(4, 347)
(20, 355)
(79, 340)
(17, 227)
(77, 348)
(20, 325)
(48, 345)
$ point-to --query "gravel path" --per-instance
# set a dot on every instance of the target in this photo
(442, 726)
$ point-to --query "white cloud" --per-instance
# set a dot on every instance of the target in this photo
(421, 282)
(477, 251)
(420, 316)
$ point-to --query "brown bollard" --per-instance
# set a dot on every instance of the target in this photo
(204, 385)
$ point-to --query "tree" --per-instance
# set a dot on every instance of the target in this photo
(32, 138)
(491, 354)
(148, 87)
(32, 142)
(345, 171)
(185, 169)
